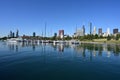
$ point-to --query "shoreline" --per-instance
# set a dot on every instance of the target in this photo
(98, 41)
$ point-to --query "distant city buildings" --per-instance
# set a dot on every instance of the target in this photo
(115, 31)
(34, 34)
(55, 34)
(83, 30)
(100, 31)
(80, 32)
(90, 28)
(61, 34)
(106, 33)
(12, 34)
(94, 31)
(17, 34)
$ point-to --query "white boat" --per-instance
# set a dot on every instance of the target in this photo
(59, 42)
(75, 42)
(14, 40)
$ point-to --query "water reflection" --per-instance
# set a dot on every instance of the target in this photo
(98, 50)
(13, 47)
(61, 48)
(33, 47)
(92, 50)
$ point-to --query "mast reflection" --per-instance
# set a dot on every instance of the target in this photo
(83, 50)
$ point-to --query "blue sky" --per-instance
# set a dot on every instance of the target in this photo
(30, 15)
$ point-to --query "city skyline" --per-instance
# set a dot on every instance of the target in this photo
(30, 16)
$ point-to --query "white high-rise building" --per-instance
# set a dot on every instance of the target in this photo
(94, 30)
(108, 31)
(80, 31)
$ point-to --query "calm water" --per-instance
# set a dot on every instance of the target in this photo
(59, 62)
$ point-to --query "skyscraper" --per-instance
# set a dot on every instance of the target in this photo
(80, 32)
(34, 34)
(55, 34)
(115, 31)
(11, 34)
(108, 31)
(17, 34)
(100, 31)
(61, 34)
(94, 31)
(90, 28)
(83, 30)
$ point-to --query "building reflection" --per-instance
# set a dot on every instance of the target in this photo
(108, 54)
(33, 47)
(13, 47)
(116, 50)
(94, 53)
(83, 50)
(93, 50)
(16, 48)
(61, 48)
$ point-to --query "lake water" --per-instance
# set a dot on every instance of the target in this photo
(59, 62)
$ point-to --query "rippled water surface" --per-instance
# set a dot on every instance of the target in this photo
(59, 62)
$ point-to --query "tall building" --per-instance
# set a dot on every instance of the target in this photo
(94, 31)
(61, 34)
(108, 31)
(100, 31)
(80, 32)
(90, 28)
(115, 31)
(34, 34)
(17, 34)
(55, 34)
(83, 30)
(11, 34)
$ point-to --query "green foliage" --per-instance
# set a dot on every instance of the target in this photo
(96, 36)
(54, 38)
(101, 37)
(109, 38)
(88, 37)
(68, 38)
(4, 38)
(81, 38)
(117, 37)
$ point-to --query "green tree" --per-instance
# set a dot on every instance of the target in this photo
(100, 37)
(109, 37)
(3, 38)
(81, 38)
(68, 38)
(117, 37)
(96, 36)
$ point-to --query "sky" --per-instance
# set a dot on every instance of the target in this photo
(30, 16)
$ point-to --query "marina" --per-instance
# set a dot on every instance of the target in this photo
(20, 40)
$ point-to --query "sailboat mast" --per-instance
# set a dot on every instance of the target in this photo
(45, 28)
